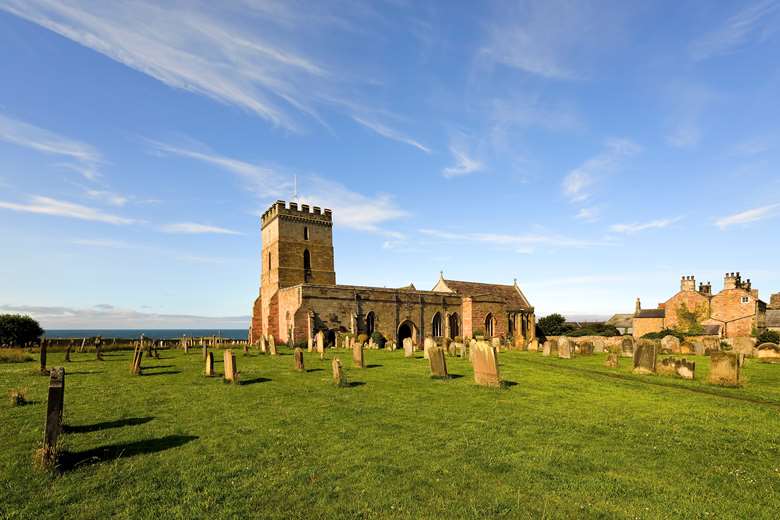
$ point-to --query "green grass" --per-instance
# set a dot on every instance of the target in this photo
(570, 439)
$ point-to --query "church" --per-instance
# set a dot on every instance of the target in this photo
(299, 295)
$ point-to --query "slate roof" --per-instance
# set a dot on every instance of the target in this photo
(621, 321)
(511, 294)
(651, 313)
(773, 318)
(711, 330)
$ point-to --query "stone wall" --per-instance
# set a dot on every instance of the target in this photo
(644, 325)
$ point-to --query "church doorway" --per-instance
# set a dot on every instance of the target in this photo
(406, 330)
(330, 338)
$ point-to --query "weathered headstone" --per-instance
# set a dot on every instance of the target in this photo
(339, 379)
(263, 346)
(564, 348)
(743, 345)
(533, 345)
(547, 348)
(272, 346)
(44, 347)
(209, 363)
(598, 346)
(699, 349)
(438, 362)
(67, 351)
(686, 369)
(231, 375)
(485, 360)
(686, 347)
(613, 358)
(298, 354)
(670, 345)
(586, 348)
(54, 411)
(495, 342)
(136, 367)
(768, 353)
(357, 356)
(99, 348)
(666, 366)
(408, 347)
(724, 369)
(627, 346)
(320, 341)
(645, 355)
(310, 344)
(429, 342)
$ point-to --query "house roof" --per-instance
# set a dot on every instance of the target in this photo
(511, 294)
(651, 313)
(773, 318)
(621, 321)
(711, 330)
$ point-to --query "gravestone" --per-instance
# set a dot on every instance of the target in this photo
(298, 354)
(598, 346)
(357, 356)
(686, 369)
(667, 367)
(320, 342)
(627, 347)
(44, 347)
(438, 362)
(310, 344)
(699, 349)
(83, 345)
(547, 348)
(533, 345)
(686, 347)
(205, 350)
(612, 361)
(136, 367)
(670, 345)
(231, 375)
(564, 348)
(263, 346)
(246, 348)
(645, 353)
(455, 348)
(272, 346)
(99, 348)
(339, 379)
(429, 343)
(586, 348)
(408, 347)
(209, 363)
(485, 360)
(724, 369)
(472, 346)
(67, 351)
(496, 343)
(54, 410)
(768, 353)
(743, 345)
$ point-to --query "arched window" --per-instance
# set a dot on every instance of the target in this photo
(370, 323)
(454, 325)
(511, 325)
(306, 232)
(489, 322)
(306, 265)
(436, 325)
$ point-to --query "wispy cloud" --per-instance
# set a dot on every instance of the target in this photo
(109, 197)
(579, 182)
(390, 133)
(757, 20)
(464, 163)
(523, 243)
(102, 242)
(192, 228)
(687, 104)
(49, 206)
(751, 215)
(86, 159)
(637, 227)
(591, 214)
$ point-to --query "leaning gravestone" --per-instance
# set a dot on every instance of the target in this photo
(612, 361)
(298, 354)
(231, 375)
(645, 353)
(209, 364)
(485, 360)
(686, 369)
(627, 347)
(408, 347)
(263, 348)
(429, 343)
(586, 348)
(272, 346)
(438, 362)
(54, 410)
(357, 356)
(564, 348)
(320, 342)
(724, 369)
(768, 353)
(67, 351)
(666, 367)
(135, 369)
(44, 347)
(339, 379)
(670, 345)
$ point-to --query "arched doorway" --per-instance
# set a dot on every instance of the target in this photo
(370, 323)
(436, 326)
(489, 325)
(330, 338)
(407, 329)
(454, 325)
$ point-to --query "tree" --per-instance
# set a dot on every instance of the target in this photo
(19, 331)
(769, 336)
(554, 325)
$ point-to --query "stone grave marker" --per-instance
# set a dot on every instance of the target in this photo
(298, 354)
(83, 345)
(533, 345)
(357, 356)
(768, 353)
(670, 345)
(339, 379)
(438, 362)
(429, 342)
(231, 375)
(564, 348)
(613, 358)
(272, 346)
(724, 369)
(686, 369)
(686, 347)
(67, 351)
(667, 366)
(598, 346)
(627, 347)
(320, 342)
(263, 347)
(54, 410)
(645, 355)
(485, 361)
(743, 345)
(310, 344)
(136, 367)
(586, 348)
(44, 347)
(209, 363)
(205, 350)
(408, 347)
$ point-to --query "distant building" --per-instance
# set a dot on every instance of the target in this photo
(735, 311)
(773, 313)
(624, 323)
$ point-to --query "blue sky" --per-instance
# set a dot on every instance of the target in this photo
(595, 151)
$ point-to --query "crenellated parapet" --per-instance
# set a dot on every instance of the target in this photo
(302, 213)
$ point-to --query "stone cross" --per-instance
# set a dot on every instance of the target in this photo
(724, 369)
(438, 362)
(230, 367)
(564, 348)
(298, 354)
(54, 409)
(485, 360)
(612, 361)
(339, 379)
(209, 363)
(408, 347)
(645, 355)
(357, 356)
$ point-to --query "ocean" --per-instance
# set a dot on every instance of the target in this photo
(148, 333)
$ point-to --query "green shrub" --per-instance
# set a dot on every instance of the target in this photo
(14, 355)
(378, 339)
(769, 336)
(666, 332)
(18, 331)
(18, 396)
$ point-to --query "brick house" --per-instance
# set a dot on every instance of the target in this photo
(299, 295)
(733, 312)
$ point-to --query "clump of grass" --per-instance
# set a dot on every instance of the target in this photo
(18, 396)
(46, 458)
(14, 355)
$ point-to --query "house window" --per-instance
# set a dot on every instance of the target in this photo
(746, 299)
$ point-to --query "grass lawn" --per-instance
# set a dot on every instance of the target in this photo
(566, 439)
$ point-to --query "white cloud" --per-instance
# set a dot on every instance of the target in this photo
(523, 243)
(114, 199)
(192, 228)
(104, 243)
(390, 133)
(86, 159)
(578, 183)
(464, 164)
(637, 227)
(49, 206)
(751, 215)
(758, 18)
(591, 214)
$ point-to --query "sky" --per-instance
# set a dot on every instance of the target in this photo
(594, 151)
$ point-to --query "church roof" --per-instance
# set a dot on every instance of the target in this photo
(651, 313)
(621, 321)
(773, 318)
(511, 294)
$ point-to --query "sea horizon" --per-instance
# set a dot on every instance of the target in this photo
(147, 332)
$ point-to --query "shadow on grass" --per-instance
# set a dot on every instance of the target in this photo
(253, 381)
(119, 423)
(163, 373)
(314, 370)
(508, 384)
(354, 384)
(73, 460)
(162, 366)
(374, 366)
(77, 373)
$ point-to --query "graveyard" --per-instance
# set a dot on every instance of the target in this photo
(557, 438)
